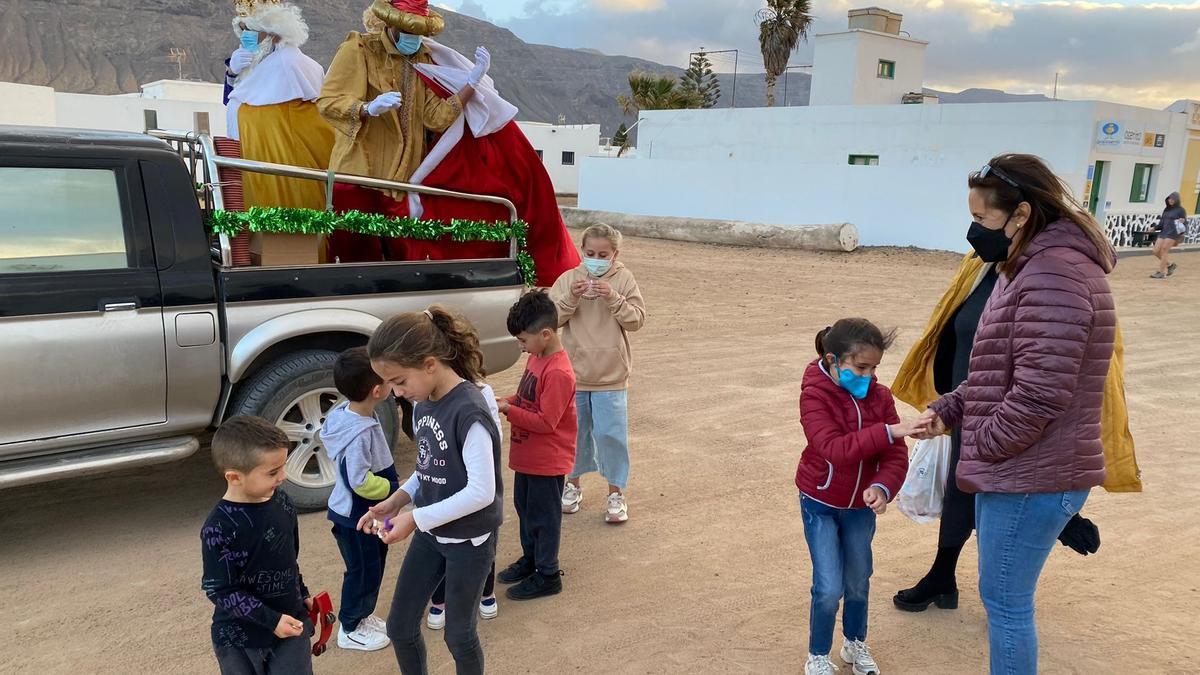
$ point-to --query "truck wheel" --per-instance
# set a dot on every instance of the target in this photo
(296, 392)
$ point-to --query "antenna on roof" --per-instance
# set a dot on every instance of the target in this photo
(178, 57)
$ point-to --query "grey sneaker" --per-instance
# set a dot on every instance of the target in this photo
(618, 510)
(819, 665)
(855, 653)
(1171, 269)
(572, 497)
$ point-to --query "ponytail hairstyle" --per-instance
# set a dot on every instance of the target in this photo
(848, 337)
(1049, 198)
(410, 338)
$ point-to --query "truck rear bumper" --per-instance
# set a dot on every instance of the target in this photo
(98, 460)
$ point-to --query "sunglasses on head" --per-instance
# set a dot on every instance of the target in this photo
(989, 170)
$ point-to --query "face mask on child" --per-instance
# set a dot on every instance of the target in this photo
(597, 267)
(854, 383)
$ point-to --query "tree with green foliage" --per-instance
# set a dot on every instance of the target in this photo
(653, 91)
(782, 24)
(701, 81)
(622, 135)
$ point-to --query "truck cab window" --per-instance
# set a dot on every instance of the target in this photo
(60, 220)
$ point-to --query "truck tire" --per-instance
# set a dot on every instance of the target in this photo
(295, 392)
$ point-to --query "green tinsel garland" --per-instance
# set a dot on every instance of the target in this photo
(279, 220)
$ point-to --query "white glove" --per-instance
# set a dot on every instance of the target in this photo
(385, 102)
(239, 60)
(483, 61)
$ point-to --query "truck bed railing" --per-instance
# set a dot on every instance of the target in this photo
(199, 154)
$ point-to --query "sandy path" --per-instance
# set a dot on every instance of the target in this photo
(710, 575)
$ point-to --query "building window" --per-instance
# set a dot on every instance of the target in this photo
(539, 153)
(1142, 175)
(864, 160)
(886, 70)
(568, 159)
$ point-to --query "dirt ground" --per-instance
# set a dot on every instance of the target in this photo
(710, 575)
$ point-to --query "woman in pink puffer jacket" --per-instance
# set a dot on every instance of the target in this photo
(1030, 407)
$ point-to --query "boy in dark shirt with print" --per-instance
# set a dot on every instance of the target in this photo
(250, 545)
(542, 416)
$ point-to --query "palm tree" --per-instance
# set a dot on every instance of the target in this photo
(651, 91)
(782, 24)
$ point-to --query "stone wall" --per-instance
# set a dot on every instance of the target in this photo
(1121, 226)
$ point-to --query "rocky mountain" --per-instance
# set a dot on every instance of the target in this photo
(112, 46)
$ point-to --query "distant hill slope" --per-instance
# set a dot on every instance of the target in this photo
(112, 46)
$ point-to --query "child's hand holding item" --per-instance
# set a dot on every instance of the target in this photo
(876, 499)
(915, 428)
(401, 527)
(288, 627)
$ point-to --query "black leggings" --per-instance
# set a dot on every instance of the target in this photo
(465, 568)
(489, 588)
(958, 507)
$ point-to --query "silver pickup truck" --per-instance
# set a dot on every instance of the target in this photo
(126, 334)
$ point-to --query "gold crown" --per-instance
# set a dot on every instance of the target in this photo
(247, 7)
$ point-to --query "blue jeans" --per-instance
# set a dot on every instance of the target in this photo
(364, 555)
(1016, 534)
(603, 441)
(839, 543)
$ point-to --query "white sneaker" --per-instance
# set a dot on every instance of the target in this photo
(374, 623)
(363, 639)
(618, 511)
(855, 653)
(819, 665)
(489, 608)
(437, 618)
(572, 497)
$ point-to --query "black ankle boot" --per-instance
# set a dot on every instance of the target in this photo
(927, 592)
(939, 587)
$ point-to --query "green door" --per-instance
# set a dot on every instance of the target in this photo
(1097, 177)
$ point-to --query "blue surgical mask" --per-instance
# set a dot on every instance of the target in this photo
(408, 44)
(249, 40)
(597, 267)
(854, 383)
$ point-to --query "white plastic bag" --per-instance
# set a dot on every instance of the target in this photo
(925, 485)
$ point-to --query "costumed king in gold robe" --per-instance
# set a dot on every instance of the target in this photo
(407, 109)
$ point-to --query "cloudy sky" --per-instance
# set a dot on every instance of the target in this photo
(1137, 52)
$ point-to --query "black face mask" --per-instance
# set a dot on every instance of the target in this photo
(991, 245)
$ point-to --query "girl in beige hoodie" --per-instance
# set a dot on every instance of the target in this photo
(598, 303)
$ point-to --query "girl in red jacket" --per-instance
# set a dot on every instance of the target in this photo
(854, 465)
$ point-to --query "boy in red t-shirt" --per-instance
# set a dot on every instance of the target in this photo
(542, 416)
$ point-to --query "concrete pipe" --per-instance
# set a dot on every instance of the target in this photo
(842, 237)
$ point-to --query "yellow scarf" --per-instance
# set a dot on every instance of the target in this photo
(914, 382)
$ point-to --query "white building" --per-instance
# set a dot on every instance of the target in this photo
(562, 148)
(869, 64)
(167, 104)
(898, 172)
(190, 106)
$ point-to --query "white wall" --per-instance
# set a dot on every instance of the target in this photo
(26, 104)
(553, 140)
(42, 106)
(789, 166)
(184, 90)
(119, 113)
(835, 63)
(845, 68)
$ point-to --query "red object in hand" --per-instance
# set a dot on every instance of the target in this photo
(323, 620)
